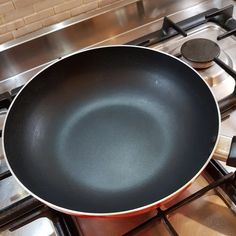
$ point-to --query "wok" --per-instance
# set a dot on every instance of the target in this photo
(111, 131)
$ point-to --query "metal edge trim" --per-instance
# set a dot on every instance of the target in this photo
(121, 213)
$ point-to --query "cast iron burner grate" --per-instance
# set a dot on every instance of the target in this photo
(29, 209)
(222, 17)
(221, 179)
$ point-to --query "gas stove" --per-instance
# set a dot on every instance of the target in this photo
(208, 207)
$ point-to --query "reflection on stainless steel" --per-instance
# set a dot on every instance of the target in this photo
(20, 79)
(227, 200)
(117, 227)
(57, 44)
(39, 227)
(213, 218)
(12, 192)
(223, 148)
(228, 128)
(208, 215)
(3, 166)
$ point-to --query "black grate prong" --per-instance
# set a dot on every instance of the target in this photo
(167, 223)
(5, 100)
(5, 175)
(222, 17)
(226, 34)
(227, 178)
(227, 12)
(168, 24)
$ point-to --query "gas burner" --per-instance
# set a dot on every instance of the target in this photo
(200, 53)
(213, 75)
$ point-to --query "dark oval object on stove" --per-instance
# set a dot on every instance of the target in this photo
(111, 131)
(200, 50)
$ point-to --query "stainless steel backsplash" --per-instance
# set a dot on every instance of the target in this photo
(23, 57)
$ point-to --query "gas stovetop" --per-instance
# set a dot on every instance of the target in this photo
(208, 206)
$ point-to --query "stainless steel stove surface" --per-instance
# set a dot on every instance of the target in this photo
(210, 211)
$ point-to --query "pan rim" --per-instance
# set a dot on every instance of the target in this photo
(117, 213)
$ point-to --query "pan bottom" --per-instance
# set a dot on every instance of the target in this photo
(112, 148)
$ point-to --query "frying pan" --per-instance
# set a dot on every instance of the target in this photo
(111, 131)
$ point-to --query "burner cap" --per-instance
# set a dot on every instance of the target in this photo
(200, 50)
